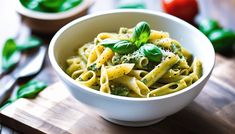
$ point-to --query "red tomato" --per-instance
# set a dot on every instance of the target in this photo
(184, 9)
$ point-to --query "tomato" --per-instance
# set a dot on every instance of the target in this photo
(184, 9)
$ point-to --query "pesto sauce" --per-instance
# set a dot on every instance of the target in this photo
(50, 6)
(93, 67)
(119, 90)
(132, 57)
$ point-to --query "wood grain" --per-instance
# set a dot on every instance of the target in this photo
(55, 111)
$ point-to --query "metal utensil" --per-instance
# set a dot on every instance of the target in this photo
(23, 70)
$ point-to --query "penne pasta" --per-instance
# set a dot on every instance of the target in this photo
(119, 70)
(135, 85)
(135, 62)
(104, 81)
(160, 70)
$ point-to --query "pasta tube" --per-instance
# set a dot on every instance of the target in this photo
(133, 84)
(104, 81)
(160, 70)
(114, 72)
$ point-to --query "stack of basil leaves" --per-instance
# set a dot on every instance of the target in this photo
(138, 42)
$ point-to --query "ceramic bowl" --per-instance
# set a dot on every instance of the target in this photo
(124, 110)
(48, 23)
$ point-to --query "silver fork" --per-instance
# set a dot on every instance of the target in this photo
(23, 70)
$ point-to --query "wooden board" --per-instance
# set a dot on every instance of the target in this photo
(55, 111)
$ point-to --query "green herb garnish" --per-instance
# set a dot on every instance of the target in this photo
(152, 52)
(30, 42)
(11, 51)
(141, 33)
(51, 6)
(124, 47)
(10, 55)
(29, 90)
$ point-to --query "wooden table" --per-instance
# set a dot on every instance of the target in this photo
(215, 116)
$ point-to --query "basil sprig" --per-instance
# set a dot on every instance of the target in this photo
(29, 90)
(138, 40)
(11, 51)
(10, 55)
(152, 52)
(141, 33)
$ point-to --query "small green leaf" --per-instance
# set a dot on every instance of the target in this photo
(10, 55)
(124, 47)
(108, 42)
(51, 6)
(31, 4)
(152, 52)
(68, 4)
(30, 42)
(141, 33)
(30, 89)
(133, 6)
(7, 103)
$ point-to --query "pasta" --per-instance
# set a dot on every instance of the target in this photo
(135, 62)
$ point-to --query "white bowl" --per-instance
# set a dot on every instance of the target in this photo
(43, 22)
(124, 110)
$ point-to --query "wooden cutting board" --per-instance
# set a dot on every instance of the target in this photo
(55, 111)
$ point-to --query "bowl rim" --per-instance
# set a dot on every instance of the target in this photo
(52, 16)
(60, 71)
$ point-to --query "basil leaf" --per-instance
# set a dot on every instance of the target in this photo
(124, 47)
(52, 6)
(30, 42)
(30, 89)
(7, 103)
(133, 6)
(141, 33)
(31, 4)
(108, 42)
(152, 52)
(68, 4)
(10, 55)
